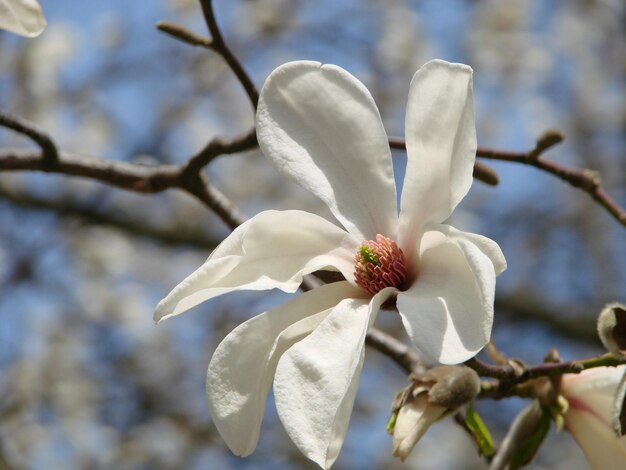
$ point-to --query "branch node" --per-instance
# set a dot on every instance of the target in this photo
(183, 34)
(548, 139)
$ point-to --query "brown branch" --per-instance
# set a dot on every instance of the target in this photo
(73, 208)
(134, 177)
(183, 34)
(219, 147)
(49, 152)
(396, 350)
(220, 47)
(586, 180)
(510, 378)
(481, 172)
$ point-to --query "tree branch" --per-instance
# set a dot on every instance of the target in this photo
(49, 152)
(586, 180)
(220, 47)
(510, 378)
(73, 209)
(396, 350)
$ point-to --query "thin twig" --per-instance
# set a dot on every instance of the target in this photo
(399, 352)
(49, 152)
(219, 147)
(513, 376)
(183, 34)
(219, 46)
(586, 180)
(132, 177)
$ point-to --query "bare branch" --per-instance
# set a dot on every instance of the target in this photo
(219, 147)
(396, 350)
(219, 46)
(587, 180)
(183, 34)
(133, 177)
(49, 152)
(510, 377)
(73, 209)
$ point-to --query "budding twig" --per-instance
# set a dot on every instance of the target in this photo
(586, 180)
(183, 34)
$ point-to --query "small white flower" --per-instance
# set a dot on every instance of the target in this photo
(318, 125)
(591, 396)
(23, 17)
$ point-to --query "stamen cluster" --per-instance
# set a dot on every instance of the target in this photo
(378, 264)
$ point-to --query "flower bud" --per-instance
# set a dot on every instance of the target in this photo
(432, 396)
(612, 328)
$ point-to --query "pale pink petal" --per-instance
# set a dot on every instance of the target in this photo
(23, 17)
(274, 249)
(413, 420)
(317, 379)
(243, 365)
(320, 126)
(596, 438)
(448, 311)
(441, 146)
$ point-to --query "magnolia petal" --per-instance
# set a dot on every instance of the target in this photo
(243, 365)
(320, 126)
(317, 379)
(591, 396)
(448, 311)
(23, 17)
(413, 420)
(603, 449)
(598, 381)
(274, 249)
(489, 248)
(441, 146)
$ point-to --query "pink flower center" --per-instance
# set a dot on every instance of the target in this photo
(378, 264)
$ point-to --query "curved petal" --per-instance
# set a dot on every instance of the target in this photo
(448, 311)
(243, 365)
(23, 17)
(489, 248)
(599, 380)
(317, 379)
(603, 449)
(441, 146)
(320, 126)
(274, 249)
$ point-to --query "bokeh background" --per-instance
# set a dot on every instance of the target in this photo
(88, 381)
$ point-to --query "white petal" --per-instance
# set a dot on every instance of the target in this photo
(23, 17)
(448, 311)
(599, 380)
(317, 379)
(243, 365)
(603, 449)
(413, 420)
(441, 146)
(274, 249)
(320, 126)
(489, 248)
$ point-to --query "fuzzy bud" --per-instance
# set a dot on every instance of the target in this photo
(432, 396)
(612, 328)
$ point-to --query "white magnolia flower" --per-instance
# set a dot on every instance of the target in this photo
(591, 395)
(23, 17)
(319, 125)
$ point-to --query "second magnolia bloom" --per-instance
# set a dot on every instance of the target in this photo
(319, 125)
